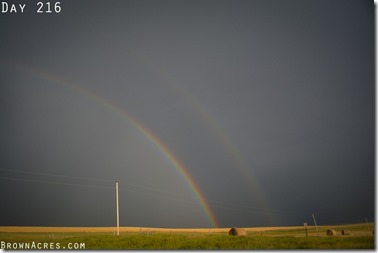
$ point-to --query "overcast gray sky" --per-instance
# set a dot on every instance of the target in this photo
(267, 105)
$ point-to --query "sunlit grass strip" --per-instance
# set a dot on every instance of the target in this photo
(361, 237)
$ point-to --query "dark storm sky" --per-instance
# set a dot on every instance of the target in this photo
(259, 100)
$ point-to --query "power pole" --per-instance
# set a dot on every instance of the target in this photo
(367, 223)
(117, 207)
(316, 225)
(305, 227)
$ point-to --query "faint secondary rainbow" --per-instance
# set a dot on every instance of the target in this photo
(163, 149)
(213, 125)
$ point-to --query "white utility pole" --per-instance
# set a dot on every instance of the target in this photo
(367, 223)
(316, 225)
(117, 207)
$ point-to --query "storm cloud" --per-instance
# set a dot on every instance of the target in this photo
(268, 106)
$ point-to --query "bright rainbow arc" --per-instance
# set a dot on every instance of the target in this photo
(184, 173)
(139, 126)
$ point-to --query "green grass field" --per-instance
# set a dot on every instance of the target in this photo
(361, 237)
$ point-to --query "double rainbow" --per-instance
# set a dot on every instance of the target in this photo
(163, 149)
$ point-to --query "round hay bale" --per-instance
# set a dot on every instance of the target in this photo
(237, 232)
(345, 232)
(331, 232)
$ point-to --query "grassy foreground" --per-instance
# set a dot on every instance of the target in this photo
(221, 241)
(284, 238)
